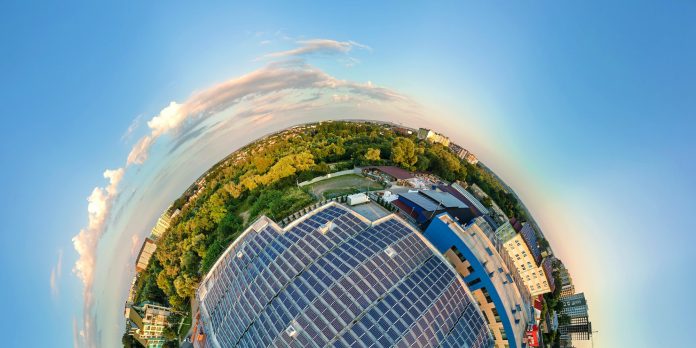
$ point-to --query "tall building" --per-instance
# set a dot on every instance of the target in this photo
(433, 137)
(524, 251)
(146, 251)
(574, 305)
(335, 278)
(476, 259)
(579, 328)
(567, 287)
(147, 323)
(164, 222)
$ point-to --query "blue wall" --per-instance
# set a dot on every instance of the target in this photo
(444, 238)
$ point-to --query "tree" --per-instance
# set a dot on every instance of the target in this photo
(404, 152)
(372, 154)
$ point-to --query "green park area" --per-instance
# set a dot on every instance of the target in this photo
(342, 185)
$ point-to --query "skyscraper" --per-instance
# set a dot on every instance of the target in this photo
(579, 327)
(332, 277)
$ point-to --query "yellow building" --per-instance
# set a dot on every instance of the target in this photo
(531, 272)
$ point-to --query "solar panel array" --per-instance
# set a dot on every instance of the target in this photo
(334, 280)
(530, 238)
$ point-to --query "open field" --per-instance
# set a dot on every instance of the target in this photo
(341, 185)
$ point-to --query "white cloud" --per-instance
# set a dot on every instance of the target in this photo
(138, 153)
(85, 242)
(56, 273)
(132, 127)
(318, 46)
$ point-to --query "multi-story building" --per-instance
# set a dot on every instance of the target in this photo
(476, 259)
(567, 287)
(579, 328)
(574, 305)
(524, 251)
(471, 158)
(147, 323)
(335, 278)
(433, 137)
(164, 222)
(146, 251)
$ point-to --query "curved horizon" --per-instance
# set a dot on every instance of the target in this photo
(585, 113)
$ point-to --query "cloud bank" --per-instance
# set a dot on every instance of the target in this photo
(318, 46)
(272, 90)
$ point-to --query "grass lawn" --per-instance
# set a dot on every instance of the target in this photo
(341, 185)
(185, 326)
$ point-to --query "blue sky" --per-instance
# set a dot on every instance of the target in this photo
(587, 110)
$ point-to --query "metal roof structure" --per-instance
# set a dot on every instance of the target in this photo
(446, 199)
(421, 200)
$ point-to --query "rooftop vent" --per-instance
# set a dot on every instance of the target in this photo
(390, 251)
(293, 330)
(240, 255)
(326, 227)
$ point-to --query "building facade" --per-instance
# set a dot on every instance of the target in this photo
(332, 277)
(163, 223)
(147, 323)
(526, 260)
(146, 251)
(476, 259)
(580, 327)
(433, 137)
(567, 287)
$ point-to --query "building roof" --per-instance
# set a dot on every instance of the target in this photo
(421, 201)
(311, 262)
(530, 238)
(444, 198)
(466, 197)
(399, 173)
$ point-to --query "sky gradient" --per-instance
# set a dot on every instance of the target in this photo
(586, 110)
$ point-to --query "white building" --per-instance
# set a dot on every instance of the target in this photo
(435, 138)
(163, 223)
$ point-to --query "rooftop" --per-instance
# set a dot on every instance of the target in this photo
(399, 173)
(444, 198)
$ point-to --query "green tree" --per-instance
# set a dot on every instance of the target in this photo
(404, 152)
(372, 154)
